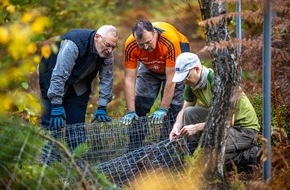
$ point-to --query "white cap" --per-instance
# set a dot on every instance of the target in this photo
(184, 62)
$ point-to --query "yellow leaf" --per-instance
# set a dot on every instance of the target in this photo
(16, 74)
(31, 48)
(33, 120)
(36, 59)
(4, 3)
(10, 8)
(39, 24)
(20, 36)
(4, 35)
(27, 17)
(45, 51)
(33, 104)
(5, 101)
(25, 67)
(4, 79)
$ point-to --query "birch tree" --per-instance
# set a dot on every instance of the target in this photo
(227, 78)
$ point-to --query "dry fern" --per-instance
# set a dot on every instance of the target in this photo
(252, 46)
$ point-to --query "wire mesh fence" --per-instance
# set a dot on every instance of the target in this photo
(126, 155)
(160, 163)
(110, 140)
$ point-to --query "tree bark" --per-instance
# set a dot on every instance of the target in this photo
(227, 78)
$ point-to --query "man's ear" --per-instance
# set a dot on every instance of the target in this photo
(198, 69)
(96, 36)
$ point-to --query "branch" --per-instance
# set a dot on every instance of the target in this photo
(69, 155)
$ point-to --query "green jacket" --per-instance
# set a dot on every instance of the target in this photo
(245, 115)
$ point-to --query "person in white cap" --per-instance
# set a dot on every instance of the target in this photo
(199, 81)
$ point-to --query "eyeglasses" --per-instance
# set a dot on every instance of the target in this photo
(107, 44)
(188, 75)
(148, 42)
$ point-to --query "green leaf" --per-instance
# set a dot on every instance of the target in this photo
(25, 85)
(81, 150)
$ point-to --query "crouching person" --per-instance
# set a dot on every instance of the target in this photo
(241, 146)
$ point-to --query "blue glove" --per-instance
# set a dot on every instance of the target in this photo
(129, 117)
(57, 117)
(158, 116)
(101, 115)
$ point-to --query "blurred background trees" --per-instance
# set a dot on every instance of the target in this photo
(24, 24)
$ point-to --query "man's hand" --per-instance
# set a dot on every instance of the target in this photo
(190, 130)
(158, 116)
(174, 132)
(57, 117)
(129, 117)
(101, 115)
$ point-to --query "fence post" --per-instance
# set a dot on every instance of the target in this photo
(267, 85)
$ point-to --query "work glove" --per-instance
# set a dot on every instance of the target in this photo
(158, 116)
(57, 117)
(101, 115)
(129, 117)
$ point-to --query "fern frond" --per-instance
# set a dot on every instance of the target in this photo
(253, 16)
(244, 1)
(281, 6)
(280, 56)
(282, 80)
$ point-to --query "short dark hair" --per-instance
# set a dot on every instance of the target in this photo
(139, 27)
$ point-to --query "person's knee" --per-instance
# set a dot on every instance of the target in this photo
(190, 116)
(194, 115)
(187, 112)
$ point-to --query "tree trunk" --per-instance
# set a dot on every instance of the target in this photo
(227, 77)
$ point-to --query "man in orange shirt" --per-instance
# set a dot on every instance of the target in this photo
(154, 47)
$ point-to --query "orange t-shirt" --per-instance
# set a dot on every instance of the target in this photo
(169, 45)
